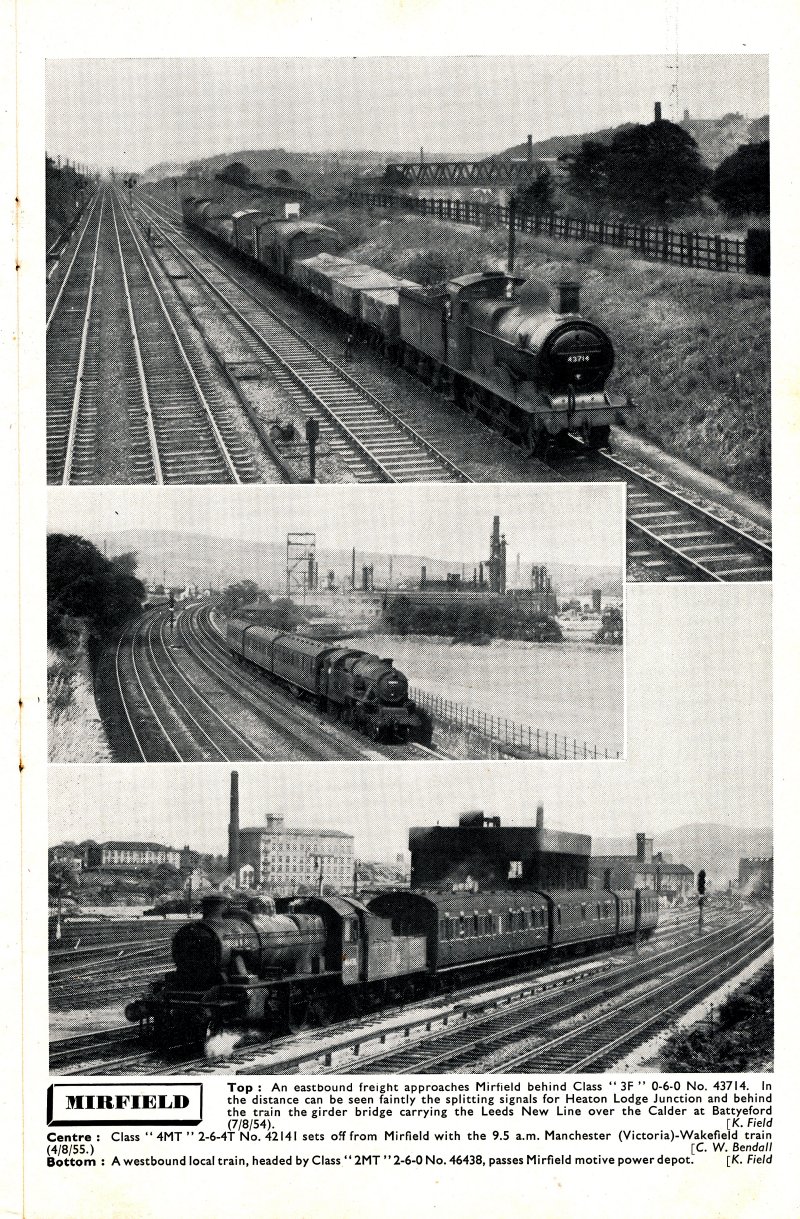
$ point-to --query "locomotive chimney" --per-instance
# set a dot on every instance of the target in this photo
(569, 296)
(658, 112)
(233, 828)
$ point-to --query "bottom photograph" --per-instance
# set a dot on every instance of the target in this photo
(388, 922)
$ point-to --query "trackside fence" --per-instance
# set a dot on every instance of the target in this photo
(493, 735)
(708, 251)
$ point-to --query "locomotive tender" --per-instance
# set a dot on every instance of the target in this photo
(492, 340)
(363, 690)
(323, 958)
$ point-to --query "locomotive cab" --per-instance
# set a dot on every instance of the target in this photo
(494, 289)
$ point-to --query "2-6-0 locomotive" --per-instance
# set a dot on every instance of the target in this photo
(363, 690)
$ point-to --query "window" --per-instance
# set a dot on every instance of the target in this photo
(476, 923)
(511, 920)
(515, 869)
(462, 925)
(558, 915)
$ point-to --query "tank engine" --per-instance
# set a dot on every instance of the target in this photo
(226, 967)
(327, 957)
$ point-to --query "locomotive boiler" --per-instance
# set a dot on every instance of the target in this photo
(367, 692)
(491, 340)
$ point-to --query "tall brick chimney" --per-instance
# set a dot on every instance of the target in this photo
(233, 827)
(658, 112)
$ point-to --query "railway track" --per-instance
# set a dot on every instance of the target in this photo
(673, 535)
(203, 708)
(372, 441)
(72, 340)
(178, 429)
(610, 1002)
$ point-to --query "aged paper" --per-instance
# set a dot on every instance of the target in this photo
(559, 717)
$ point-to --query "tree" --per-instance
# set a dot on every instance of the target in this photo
(237, 173)
(164, 879)
(538, 196)
(655, 171)
(235, 596)
(587, 171)
(82, 583)
(741, 183)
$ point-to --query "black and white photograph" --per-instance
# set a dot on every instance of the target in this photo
(421, 269)
(364, 920)
(397, 383)
(331, 624)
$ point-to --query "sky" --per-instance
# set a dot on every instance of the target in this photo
(155, 110)
(699, 750)
(555, 522)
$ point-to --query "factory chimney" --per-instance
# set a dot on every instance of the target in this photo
(658, 112)
(529, 154)
(353, 570)
(233, 828)
(540, 816)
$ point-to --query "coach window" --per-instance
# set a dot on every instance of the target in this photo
(462, 925)
(558, 915)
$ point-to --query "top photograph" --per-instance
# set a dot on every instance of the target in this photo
(420, 269)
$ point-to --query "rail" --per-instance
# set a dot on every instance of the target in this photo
(507, 734)
(707, 251)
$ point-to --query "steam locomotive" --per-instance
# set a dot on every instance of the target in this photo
(323, 958)
(492, 340)
(365, 691)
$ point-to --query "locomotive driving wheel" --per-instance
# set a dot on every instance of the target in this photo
(297, 1010)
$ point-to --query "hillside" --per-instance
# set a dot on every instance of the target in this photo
(717, 848)
(716, 138)
(199, 558)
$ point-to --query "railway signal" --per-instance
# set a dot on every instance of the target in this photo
(701, 898)
(312, 436)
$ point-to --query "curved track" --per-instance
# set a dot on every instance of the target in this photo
(185, 699)
(372, 441)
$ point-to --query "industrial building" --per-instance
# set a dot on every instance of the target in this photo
(755, 875)
(644, 870)
(479, 853)
(285, 861)
(489, 579)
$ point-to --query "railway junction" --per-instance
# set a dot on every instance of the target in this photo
(211, 374)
